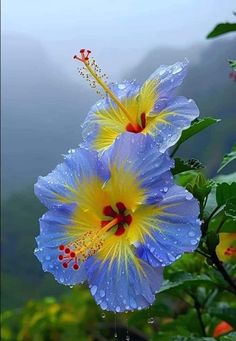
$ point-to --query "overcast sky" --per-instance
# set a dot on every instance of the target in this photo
(118, 32)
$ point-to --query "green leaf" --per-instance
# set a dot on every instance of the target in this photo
(232, 63)
(230, 208)
(224, 192)
(200, 187)
(228, 337)
(228, 157)
(222, 29)
(186, 165)
(183, 280)
(227, 314)
(196, 126)
(185, 178)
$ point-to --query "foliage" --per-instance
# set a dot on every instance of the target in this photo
(222, 29)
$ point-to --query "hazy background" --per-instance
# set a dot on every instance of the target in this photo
(44, 101)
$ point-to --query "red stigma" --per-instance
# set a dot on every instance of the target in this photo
(68, 256)
(84, 55)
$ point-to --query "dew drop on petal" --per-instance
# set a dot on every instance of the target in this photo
(117, 309)
(171, 257)
(104, 305)
(102, 293)
(193, 242)
(191, 234)
(188, 196)
(47, 257)
(94, 289)
(165, 189)
(121, 86)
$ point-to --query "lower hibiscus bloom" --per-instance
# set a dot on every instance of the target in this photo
(115, 221)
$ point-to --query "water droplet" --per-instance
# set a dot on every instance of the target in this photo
(115, 335)
(102, 293)
(193, 242)
(165, 189)
(188, 196)
(104, 305)
(61, 280)
(94, 289)
(191, 234)
(103, 315)
(127, 338)
(151, 320)
(171, 257)
(71, 286)
(121, 86)
(117, 309)
(47, 257)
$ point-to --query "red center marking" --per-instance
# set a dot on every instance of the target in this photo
(120, 214)
(137, 128)
(230, 251)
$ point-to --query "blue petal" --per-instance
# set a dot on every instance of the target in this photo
(90, 127)
(178, 113)
(53, 234)
(179, 229)
(116, 290)
(82, 163)
(138, 153)
(50, 263)
(169, 77)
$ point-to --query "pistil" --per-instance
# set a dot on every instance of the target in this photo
(84, 58)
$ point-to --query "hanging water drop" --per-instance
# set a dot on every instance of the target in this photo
(103, 315)
(151, 320)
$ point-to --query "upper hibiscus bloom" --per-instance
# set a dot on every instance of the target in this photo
(115, 220)
(149, 109)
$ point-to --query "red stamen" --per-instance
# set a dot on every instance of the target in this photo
(65, 265)
(67, 250)
(72, 254)
(60, 257)
(61, 247)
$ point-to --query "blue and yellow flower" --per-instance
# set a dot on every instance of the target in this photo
(115, 221)
(226, 249)
(151, 109)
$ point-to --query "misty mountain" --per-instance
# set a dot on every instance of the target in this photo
(41, 112)
(42, 108)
